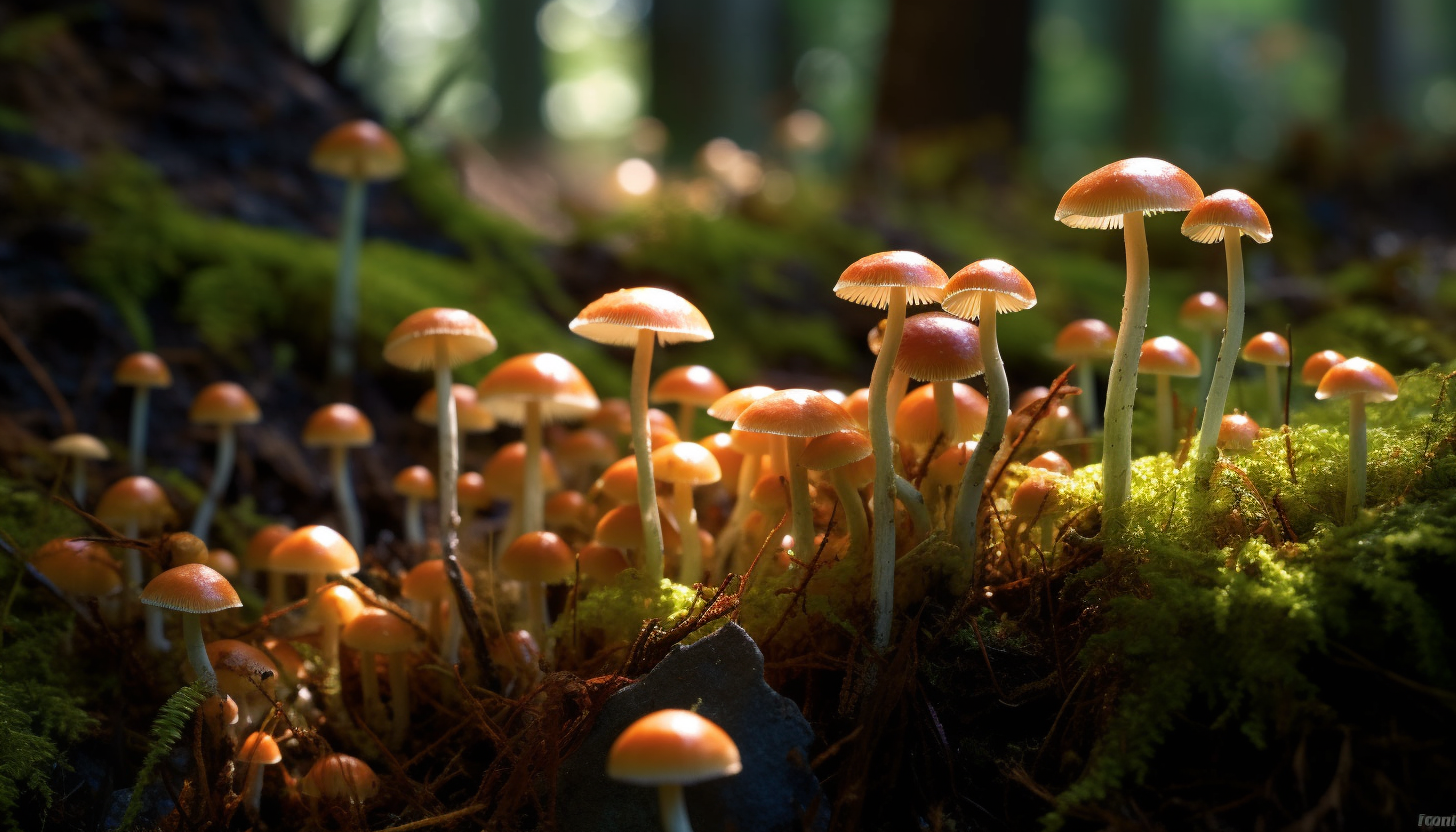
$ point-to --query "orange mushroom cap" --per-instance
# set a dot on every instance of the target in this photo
(730, 459)
(692, 385)
(587, 446)
(539, 557)
(857, 405)
(339, 604)
(1012, 290)
(191, 587)
(836, 450)
(1224, 209)
(472, 491)
(80, 446)
(1053, 462)
(672, 747)
(338, 426)
(358, 150)
(261, 544)
(1139, 185)
(1358, 376)
(1237, 432)
(687, 463)
(917, 420)
(1317, 365)
(731, 405)
(259, 749)
(142, 369)
(617, 317)
(547, 379)
(949, 464)
(470, 415)
(239, 665)
(601, 563)
(341, 778)
(1085, 339)
(428, 581)
(1036, 497)
(939, 347)
(505, 471)
(79, 567)
(314, 550)
(375, 630)
(1267, 348)
(1167, 356)
(412, 344)
(137, 499)
(868, 280)
(614, 418)
(415, 481)
(622, 527)
(794, 412)
(224, 403)
(1204, 312)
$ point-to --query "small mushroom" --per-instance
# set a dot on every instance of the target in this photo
(1272, 351)
(1360, 381)
(537, 559)
(426, 583)
(1083, 342)
(1164, 357)
(1317, 365)
(670, 749)
(838, 454)
(339, 427)
(142, 371)
(1205, 313)
(260, 549)
(372, 632)
(194, 590)
(314, 552)
(79, 448)
(691, 389)
(684, 465)
(339, 778)
(1237, 432)
(470, 415)
(244, 673)
(138, 506)
(224, 405)
(415, 484)
(334, 608)
(258, 751)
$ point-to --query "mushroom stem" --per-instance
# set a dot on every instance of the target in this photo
(731, 537)
(536, 612)
(1272, 390)
(914, 503)
(966, 524)
(778, 458)
(156, 630)
(685, 415)
(673, 808)
(253, 792)
(313, 582)
(222, 472)
(399, 700)
(1122, 380)
(449, 436)
(1205, 361)
(1087, 400)
(197, 651)
(945, 410)
(454, 629)
(344, 496)
(799, 500)
(1228, 356)
(690, 566)
(642, 444)
(346, 293)
(1359, 450)
(882, 574)
(414, 526)
(138, 444)
(854, 514)
(369, 687)
(78, 480)
(1164, 400)
(533, 499)
(277, 589)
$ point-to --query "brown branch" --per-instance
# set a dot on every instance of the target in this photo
(798, 591)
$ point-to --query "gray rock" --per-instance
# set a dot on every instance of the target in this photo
(721, 676)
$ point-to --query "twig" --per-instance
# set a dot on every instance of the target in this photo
(1253, 489)
(840, 743)
(38, 372)
(798, 591)
(437, 819)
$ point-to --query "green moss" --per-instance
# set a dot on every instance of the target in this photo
(615, 613)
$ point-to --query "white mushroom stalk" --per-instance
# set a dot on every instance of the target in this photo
(222, 473)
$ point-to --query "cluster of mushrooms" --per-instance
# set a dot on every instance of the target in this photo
(891, 464)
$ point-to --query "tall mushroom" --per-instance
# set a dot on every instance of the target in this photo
(684, 465)
(1360, 381)
(1271, 351)
(1082, 342)
(638, 318)
(224, 405)
(888, 280)
(531, 390)
(1224, 216)
(1165, 357)
(194, 590)
(797, 416)
(1117, 196)
(1206, 314)
(691, 388)
(438, 339)
(671, 749)
(340, 427)
(357, 152)
(415, 484)
(79, 448)
(142, 371)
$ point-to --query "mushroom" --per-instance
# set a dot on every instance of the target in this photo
(919, 423)
(684, 465)
(670, 749)
(1035, 503)
(225, 405)
(415, 484)
(473, 495)
(137, 505)
(888, 280)
(1206, 314)
(245, 674)
(1361, 381)
(983, 290)
(260, 548)
(838, 454)
(470, 415)
(505, 476)
(1317, 365)
(638, 317)
(79, 447)
(941, 349)
(690, 388)
(193, 590)
(1165, 357)
(427, 583)
(259, 751)
(1272, 351)
(601, 563)
(857, 405)
(334, 608)
(1224, 216)
(372, 632)
(1084, 341)
(796, 415)
(537, 559)
(899, 381)
(1237, 432)
(439, 339)
(141, 371)
(1114, 196)
(314, 552)
(622, 528)
(79, 567)
(582, 454)
(339, 778)
(224, 562)
(1053, 462)
(357, 152)
(340, 427)
(529, 390)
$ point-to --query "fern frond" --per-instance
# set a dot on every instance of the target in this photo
(167, 730)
